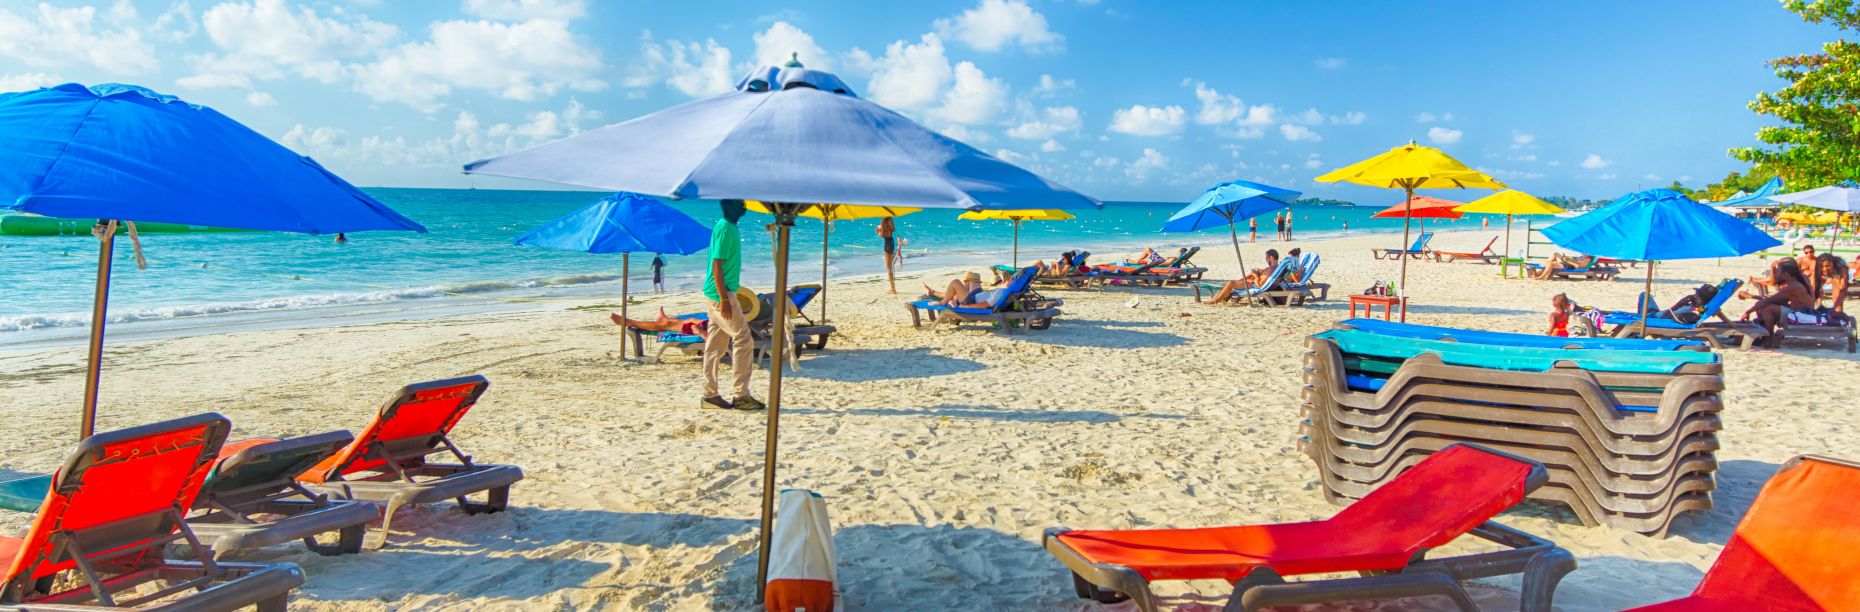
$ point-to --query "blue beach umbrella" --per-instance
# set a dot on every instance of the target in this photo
(789, 137)
(1658, 224)
(1227, 204)
(1843, 197)
(622, 223)
(121, 153)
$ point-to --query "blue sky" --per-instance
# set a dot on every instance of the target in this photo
(1118, 98)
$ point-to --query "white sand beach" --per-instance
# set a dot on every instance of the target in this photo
(942, 455)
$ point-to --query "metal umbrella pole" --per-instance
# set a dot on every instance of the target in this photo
(1647, 301)
(626, 270)
(1017, 244)
(1505, 257)
(100, 305)
(826, 229)
(784, 222)
(1235, 233)
(1407, 217)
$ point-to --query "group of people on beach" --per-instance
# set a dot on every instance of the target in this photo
(1283, 223)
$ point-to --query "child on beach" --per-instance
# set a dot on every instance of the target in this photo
(1560, 310)
(658, 273)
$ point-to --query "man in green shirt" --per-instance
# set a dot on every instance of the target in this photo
(729, 328)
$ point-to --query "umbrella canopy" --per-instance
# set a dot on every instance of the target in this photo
(622, 223)
(1410, 167)
(1017, 216)
(1422, 207)
(1658, 224)
(1756, 199)
(1509, 202)
(124, 153)
(1844, 197)
(786, 136)
(1227, 204)
(827, 214)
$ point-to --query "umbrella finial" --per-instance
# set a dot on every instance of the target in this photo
(794, 60)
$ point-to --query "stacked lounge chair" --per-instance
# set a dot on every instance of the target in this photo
(1387, 537)
(1019, 306)
(108, 515)
(1628, 433)
(808, 335)
(1416, 250)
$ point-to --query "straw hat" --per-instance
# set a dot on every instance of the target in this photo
(971, 277)
(748, 302)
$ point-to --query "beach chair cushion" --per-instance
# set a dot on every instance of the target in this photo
(1726, 289)
(1794, 548)
(1443, 497)
(1520, 358)
(1471, 336)
(417, 418)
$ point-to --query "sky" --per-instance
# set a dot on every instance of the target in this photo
(1120, 99)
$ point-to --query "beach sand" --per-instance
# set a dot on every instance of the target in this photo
(942, 456)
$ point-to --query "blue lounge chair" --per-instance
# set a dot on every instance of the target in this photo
(808, 335)
(1718, 335)
(1307, 274)
(1017, 304)
(1594, 271)
(1264, 294)
(1416, 250)
(1471, 336)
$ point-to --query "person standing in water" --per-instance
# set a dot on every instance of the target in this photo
(728, 329)
(1252, 230)
(888, 231)
(342, 238)
(658, 273)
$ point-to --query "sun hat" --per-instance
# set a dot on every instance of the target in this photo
(971, 277)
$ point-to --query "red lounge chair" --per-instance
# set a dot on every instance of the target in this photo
(1384, 535)
(112, 508)
(387, 461)
(1484, 255)
(1795, 548)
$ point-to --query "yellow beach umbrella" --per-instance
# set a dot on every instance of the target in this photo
(1017, 216)
(1509, 202)
(827, 214)
(1410, 167)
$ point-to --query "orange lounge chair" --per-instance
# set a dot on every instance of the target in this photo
(387, 461)
(1794, 549)
(112, 508)
(1384, 535)
(1484, 255)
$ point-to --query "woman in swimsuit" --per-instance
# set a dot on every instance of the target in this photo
(692, 325)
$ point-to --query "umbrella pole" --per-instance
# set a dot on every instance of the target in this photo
(784, 221)
(826, 228)
(1647, 302)
(1235, 233)
(1505, 258)
(93, 373)
(626, 269)
(1017, 244)
(1407, 217)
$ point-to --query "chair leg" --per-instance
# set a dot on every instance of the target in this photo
(1541, 576)
(496, 500)
(387, 521)
(274, 604)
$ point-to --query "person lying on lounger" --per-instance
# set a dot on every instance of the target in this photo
(1149, 256)
(1559, 262)
(1252, 279)
(691, 326)
(1792, 294)
(957, 291)
(1059, 267)
(1686, 310)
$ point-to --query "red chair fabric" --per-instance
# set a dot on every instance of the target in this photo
(1440, 499)
(420, 413)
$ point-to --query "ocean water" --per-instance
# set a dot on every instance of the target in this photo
(467, 260)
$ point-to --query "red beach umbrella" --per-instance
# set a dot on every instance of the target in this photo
(1423, 207)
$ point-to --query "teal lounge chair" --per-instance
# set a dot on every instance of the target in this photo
(1416, 250)
(1308, 272)
(1594, 271)
(1473, 336)
(1018, 305)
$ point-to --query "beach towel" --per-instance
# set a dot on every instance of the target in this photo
(801, 557)
(1805, 317)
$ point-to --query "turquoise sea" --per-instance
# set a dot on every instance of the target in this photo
(467, 262)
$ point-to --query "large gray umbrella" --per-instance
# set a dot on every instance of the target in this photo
(789, 137)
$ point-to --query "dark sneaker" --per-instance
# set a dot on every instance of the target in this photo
(715, 401)
(748, 403)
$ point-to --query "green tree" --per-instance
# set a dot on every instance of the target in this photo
(1818, 142)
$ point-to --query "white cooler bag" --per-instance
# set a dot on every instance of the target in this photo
(801, 573)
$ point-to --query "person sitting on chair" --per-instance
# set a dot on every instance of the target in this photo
(957, 291)
(1252, 279)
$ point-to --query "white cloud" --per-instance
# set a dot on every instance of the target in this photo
(1430, 117)
(1049, 85)
(694, 69)
(1607, 177)
(782, 41)
(28, 81)
(524, 10)
(1311, 116)
(909, 76)
(1140, 168)
(54, 37)
(1349, 118)
(1053, 120)
(1140, 120)
(1554, 163)
(1650, 177)
(994, 24)
(522, 61)
(1313, 162)
(470, 139)
(1520, 140)
(965, 134)
(1511, 175)
(1298, 132)
(259, 98)
(1595, 162)
(1014, 157)
(265, 38)
(1528, 157)
(315, 141)
(1441, 135)
(1329, 63)
(1216, 108)
(1105, 162)
(1052, 146)
(973, 97)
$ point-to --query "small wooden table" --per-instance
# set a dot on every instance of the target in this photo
(1388, 304)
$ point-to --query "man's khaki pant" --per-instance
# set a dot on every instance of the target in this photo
(731, 334)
